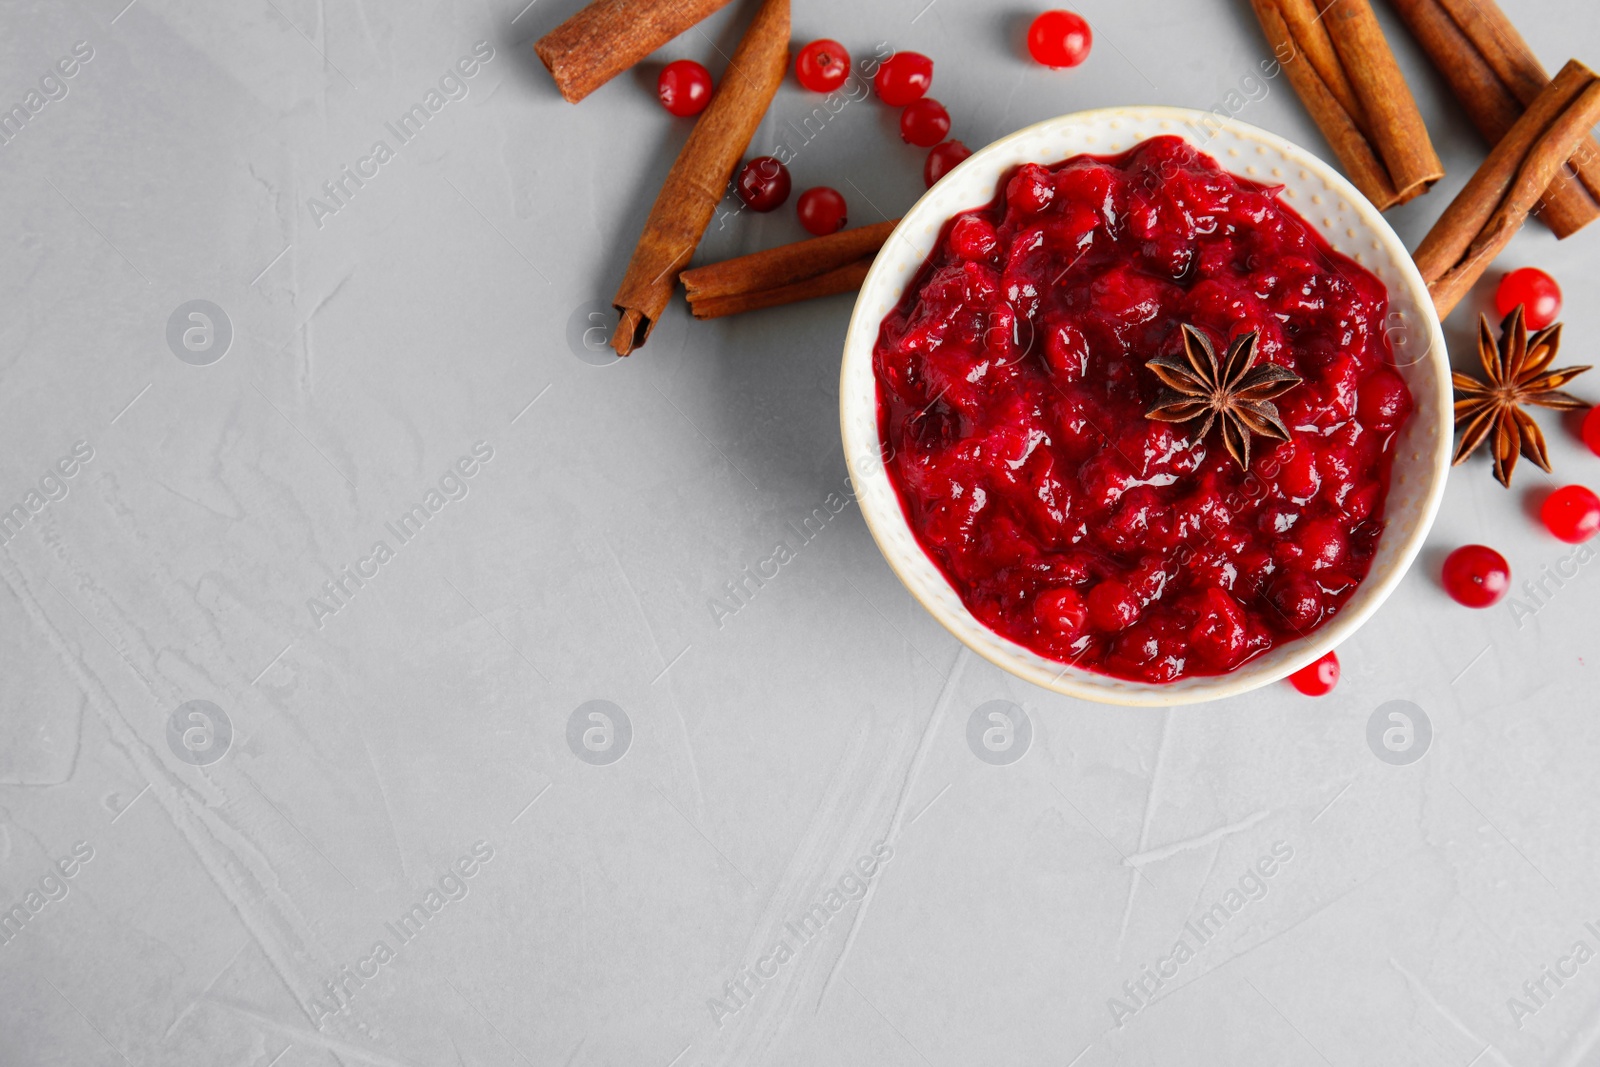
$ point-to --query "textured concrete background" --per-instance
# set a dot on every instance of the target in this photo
(419, 764)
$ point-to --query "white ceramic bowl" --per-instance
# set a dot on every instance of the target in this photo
(1319, 193)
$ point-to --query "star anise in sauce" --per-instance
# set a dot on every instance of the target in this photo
(1233, 391)
(1518, 373)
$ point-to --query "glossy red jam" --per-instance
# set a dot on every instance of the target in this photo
(1012, 394)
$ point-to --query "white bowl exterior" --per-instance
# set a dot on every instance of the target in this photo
(1326, 200)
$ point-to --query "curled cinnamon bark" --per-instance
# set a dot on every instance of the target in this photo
(1320, 93)
(784, 266)
(1494, 75)
(845, 279)
(609, 36)
(1341, 67)
(1495, 202)
(1394, 125)
(700, 176)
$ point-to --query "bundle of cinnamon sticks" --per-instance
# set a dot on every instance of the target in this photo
(821, 266)
(1518, 175)
(1495, 76)
(1344, 72)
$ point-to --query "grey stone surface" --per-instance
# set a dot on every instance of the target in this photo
(415, 741)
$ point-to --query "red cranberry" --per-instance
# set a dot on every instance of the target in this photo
(1112, 606)
(763, 183)
(924, 122)
(1059, 39)
(1297, 599)
(1535, 290)
(821, 210)
(1383, 400)
(822, 66)
(1137, 648)
(1319, 678)
(1571, 513)
(1072, 226)
(904, 77)
(1361, 501)
(973, 239)
(1030, 189)
(1256, 569)
(684, 87)
(1325, 543)
(1148, 579)
(1220, 636)
(1591, 430)
(1061, 610)
(942, 159)
(1476, 576)
(1299, 478)
(1066, 349)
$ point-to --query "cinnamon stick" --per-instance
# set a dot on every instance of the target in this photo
(845, 279)
(1304, 20)
(1395, 126)
(1344, 72)
(1494, 75)
(785, 265)
(609, 36)
(1496, 201)
(1498, 41)
(1335, 119)
(700, 175)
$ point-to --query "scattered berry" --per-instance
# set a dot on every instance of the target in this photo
(821, 210)
(684, 87)
(1059, 39)
(1591, 429)
(1319, 678)
(1476, 576)
(822, 66)
(924, 122)
(1535, 290)
(763, 183)
(1572, 513)
(942, 159)
(904, 77)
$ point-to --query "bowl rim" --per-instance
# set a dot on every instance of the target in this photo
(1080, 682)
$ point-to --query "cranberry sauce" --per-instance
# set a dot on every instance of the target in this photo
(1012, 392)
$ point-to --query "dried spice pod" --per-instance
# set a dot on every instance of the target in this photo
(1233, 391)
(1517, 372)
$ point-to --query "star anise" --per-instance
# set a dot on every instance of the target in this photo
(1233, 391)
(1518, 371)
